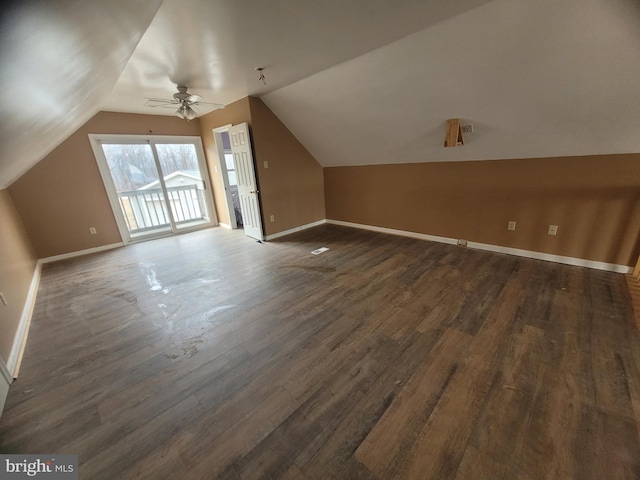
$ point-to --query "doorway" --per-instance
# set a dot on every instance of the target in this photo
(229, 177)
(233, 144)
(157, 185)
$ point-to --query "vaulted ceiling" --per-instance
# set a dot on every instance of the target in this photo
(358, 82)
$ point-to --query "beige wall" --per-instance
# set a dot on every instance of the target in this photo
(292, 188)
(232, 114)
(594, 200)
(17, 266)
(63, 195)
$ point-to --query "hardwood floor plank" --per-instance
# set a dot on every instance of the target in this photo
(114, 458)
(394, 435)
(503, 426)
(337, 459)
(550, 407)
(475, 464)
(632, 368)
(210, 355)
(607, 409)
(440, 445)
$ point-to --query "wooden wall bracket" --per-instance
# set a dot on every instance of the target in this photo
(453, 136)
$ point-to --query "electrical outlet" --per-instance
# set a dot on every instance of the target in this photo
(467, 128)
(273, 218)
(462, 242)
(266, 164)
(553, 230)
(512, 225)
(4, 300)
(92, 230)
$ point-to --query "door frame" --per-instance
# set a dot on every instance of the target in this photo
(217, 140)
(242, 129)
(123, 139)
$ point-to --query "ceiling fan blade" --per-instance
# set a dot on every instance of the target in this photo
(161, 100)
(189, 100)
(217, 105)
(172, 106)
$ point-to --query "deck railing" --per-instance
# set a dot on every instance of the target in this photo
(147, 209)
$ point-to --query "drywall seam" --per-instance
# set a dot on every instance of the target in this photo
(580, 262)
(80, 253)
(20, 339)
(294, 230)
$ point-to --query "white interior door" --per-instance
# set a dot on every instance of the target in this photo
(247, 186)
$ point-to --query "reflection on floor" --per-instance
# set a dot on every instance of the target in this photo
(209, 355)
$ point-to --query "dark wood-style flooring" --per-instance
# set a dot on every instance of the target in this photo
(209, 355)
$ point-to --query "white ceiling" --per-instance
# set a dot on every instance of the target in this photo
(536, 79)
(59, 61)
(214, 46)
(358, 81)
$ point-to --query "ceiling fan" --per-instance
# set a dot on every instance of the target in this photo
(185, 102)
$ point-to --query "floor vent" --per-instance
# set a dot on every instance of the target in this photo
(320, 250)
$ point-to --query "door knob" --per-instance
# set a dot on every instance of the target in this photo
(254, 191)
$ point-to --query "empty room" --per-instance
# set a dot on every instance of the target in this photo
(320, 240)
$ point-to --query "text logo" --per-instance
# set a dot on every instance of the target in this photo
(50, 467)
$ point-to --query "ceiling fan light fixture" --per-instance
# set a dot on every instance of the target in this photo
(186, 112)
(190, 113)
(185, 101)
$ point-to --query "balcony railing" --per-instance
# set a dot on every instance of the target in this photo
(147, 209)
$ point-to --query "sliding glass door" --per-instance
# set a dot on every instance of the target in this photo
(136, 181)
(157, 185)
(184, 182)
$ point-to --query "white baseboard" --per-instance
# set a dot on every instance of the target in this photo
(580, 262)
(20, 338)
(392, 231)
(5, 383)
(80, 253)
(4, 373)
(294, 230)
(225, 225)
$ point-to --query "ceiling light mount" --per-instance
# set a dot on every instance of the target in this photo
(261, 76)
